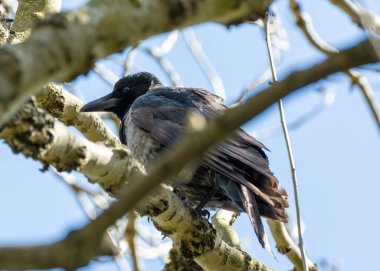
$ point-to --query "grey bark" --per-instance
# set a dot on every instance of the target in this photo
(193, 236)
(99, 29)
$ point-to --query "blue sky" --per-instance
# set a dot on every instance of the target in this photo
(336, 152)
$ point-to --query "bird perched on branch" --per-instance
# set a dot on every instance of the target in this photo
(235, 175)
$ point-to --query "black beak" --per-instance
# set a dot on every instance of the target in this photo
(102, 104)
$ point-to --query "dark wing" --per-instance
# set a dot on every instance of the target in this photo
(240, 164)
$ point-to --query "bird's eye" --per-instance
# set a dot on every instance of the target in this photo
(125, 90)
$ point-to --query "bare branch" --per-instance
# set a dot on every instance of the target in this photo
(4, 24)
(24, 67)
(167, 67)
(36, 134)
(105, 74)
(129, 60)
(177, 262)
(34, 144)
(203, 61)
(83, 196)
(366, 89)
(193, 235)
(65, 106)
(130, 235)
(280, 43)
(264, 77)
(222, 221)
(29, 13)
(305, 24)
(327, 100)
(288, 148)
(75, 247)
(159, 52)
(359, 15)
(286, 246)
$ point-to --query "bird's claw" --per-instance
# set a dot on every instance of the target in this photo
(204, 213)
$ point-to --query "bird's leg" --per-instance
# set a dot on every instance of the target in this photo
(203, 203)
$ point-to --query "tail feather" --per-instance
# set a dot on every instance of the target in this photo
(271, 212)
(277, 195)
(251, 208)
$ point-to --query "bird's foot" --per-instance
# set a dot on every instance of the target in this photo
(203, 203)
(203, 212)
(206, 214)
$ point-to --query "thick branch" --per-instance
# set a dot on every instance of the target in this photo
(286, 246)
(222, 221)
(178, 263)
(99, 29)
(65, 107)
(201, 242)
(4, 25)
(193, 236)
(75, 248)
(30, 13)
(36, 134)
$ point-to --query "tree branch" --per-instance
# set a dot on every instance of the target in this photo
(359, 15)
(4, 25)
(286, 246)
(48, 141)
(192, 235)
(368, 94)
(130, 233)
(36, 134)
(30, 13)
(289, 151)
(24, 67)
(222, 221)
(304, 22)
(65, 106)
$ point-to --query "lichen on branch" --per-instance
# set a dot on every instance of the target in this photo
(37, 134)
(99, 29)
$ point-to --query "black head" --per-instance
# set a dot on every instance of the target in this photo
(124, 93)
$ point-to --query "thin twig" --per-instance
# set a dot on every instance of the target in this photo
(280, 43)
(367, 91)
(130, 235)
(159, 52)
(305, 24)
(328, 99)
(289, 148)
(203, 61)
(264, 77)
(105, 74)
(167, 45)
(85, 199)
(129, 60)
(166, 66)
(359, 15)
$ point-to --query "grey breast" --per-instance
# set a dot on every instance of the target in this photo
(146, 149)
(140, 142)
